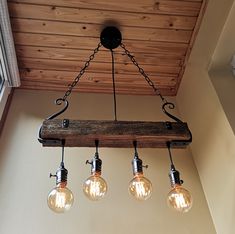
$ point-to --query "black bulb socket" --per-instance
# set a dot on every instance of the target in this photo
(61, 174)
(175, 177)
(137, 165)
(96, 164)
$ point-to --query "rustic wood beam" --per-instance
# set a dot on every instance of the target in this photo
(116, 134)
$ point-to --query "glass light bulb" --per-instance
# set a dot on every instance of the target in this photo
(180, 199)
(140, 187)
(60, 199)
(95, 187)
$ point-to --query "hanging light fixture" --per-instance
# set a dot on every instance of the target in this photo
(139, 187)
(116, 134)
(95, 187)
(60, 199)
(178, 198)
(83, 133)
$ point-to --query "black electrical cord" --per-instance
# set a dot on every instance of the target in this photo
(114, 89)
(63, 143)
(96, 146)
(169, 150)
(135, 147)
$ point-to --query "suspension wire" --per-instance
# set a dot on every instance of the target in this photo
(114, 88)
(142, 72)
(169, 150)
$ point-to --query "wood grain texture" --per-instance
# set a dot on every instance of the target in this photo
(54, 38)
(171, 62)
(29, 64)
(93, 30)
(125, 83)
(75, 42)
(78, 15)
(180, 7)
(83, 133)
(89, 77)
(126, 89)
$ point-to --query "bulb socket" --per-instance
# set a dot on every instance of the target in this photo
(61, 174)
(174, 177)
(137, 165)
(96, 164)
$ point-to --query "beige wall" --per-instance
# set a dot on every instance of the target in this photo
(213, 144)
(25, 166)
(221, 70)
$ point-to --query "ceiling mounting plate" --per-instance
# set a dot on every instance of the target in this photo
(111, 37)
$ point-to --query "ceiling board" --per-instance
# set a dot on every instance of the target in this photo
(54, 39)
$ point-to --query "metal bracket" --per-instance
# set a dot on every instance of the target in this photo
(50, 142)
(178, 143)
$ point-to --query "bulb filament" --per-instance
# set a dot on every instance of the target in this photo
(60, 200)
(180, 201)
(95, 188)
(140, 189)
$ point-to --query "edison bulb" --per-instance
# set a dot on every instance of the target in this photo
(180, 199)
(140, 187)
(95, 187)
(60, 199)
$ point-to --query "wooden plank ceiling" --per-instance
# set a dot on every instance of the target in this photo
(54, 38)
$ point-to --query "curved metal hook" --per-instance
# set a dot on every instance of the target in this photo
(59, 101)
(170, 105)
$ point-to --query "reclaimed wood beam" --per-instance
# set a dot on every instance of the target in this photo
(116, 134)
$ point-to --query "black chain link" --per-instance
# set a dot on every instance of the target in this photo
(142, 72)
(77, 78)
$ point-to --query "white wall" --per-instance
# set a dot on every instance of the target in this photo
(25, 166)
(213, 144)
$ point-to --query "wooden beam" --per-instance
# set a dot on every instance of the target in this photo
(116, 134)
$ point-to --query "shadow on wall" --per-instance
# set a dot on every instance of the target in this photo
(224, 84)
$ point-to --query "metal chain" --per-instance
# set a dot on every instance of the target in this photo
(142, 72)
(77, 78)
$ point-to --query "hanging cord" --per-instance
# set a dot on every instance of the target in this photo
(173, 174)
(135, 147)
(114, 89)
(62, 158)
(96, 147)
(169, 150)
